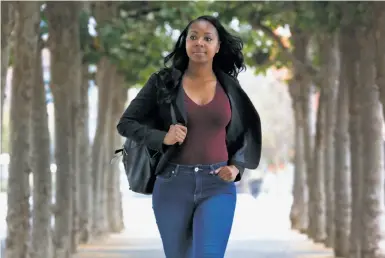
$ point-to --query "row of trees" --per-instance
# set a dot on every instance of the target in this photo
(130, 41)
(86, 201)
(339, 52)
(336, 50)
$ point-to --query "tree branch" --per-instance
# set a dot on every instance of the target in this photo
(305, 68)
(143, 12)
(136, 10)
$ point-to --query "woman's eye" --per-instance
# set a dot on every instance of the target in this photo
(192, 37)
(208, 39)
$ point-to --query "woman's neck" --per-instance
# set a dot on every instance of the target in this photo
(201, 71)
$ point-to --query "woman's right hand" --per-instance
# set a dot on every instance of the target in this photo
(176, 133)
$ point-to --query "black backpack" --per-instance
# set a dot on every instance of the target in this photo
(140, 162)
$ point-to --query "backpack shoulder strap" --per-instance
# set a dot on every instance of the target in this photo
(173, 116)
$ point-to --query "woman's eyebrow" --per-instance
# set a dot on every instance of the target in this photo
(208, 33)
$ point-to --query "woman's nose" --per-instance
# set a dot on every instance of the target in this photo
(200, 42)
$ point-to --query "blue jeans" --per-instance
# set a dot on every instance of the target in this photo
(194, 210)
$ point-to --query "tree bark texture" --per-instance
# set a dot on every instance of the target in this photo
(317, 189)
(379, 41)
(28, 17)
(76, 127)
(7, 24)
(85, 213)
(103, 11)
(65, 77)
(342, 186)
(301, 41)
(98, 160)
(332, 70)
(349, 35)
(40, 165)
(372, 150)
(115, 140)
(298, 213)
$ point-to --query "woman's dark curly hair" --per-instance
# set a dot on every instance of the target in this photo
(229, 59)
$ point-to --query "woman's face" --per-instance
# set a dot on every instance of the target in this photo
(202, 42)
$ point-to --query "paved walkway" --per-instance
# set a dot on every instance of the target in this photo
(261, 230)
(120, 246)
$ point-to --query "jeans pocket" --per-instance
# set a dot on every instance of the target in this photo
(220, 179)
(167, 175)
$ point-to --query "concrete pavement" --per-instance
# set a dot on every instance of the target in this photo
(261, 230)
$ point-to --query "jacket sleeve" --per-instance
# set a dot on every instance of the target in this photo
(249, 152)
(239, 165)
(141, 108)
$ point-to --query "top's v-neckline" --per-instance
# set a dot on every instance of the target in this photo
(202, 105)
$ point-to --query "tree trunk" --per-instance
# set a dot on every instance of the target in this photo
(23, 79)
(75, 163)
(379, 32)
(121, 212)
(63, 20)
(119, 197)
(85, 213)
(299, 212)
(301, 41)
(40, 165)
(372, 150)
(351, 64)
(76, 141)
(104, 81)
(7, 23)
(113, 183)
(330, 122)
(317, 189)
(84, 166)
(103, 12)
(308, 144)
(117, 83)
(342, 186)
(103, 213)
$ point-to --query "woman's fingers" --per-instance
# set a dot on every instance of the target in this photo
(180, 133)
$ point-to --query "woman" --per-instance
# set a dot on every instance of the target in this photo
(217, 136)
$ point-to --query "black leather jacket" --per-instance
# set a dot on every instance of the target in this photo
(243, 134)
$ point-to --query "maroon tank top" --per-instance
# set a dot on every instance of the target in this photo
(205, 142)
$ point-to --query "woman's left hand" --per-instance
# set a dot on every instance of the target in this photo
(227, 173)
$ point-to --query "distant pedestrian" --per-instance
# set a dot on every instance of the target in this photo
(256, 187)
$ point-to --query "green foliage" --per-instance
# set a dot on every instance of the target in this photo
(142, 33)
(133, 45)
(136, 47)
(87, 42)
(140, 37)
(261, 51)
